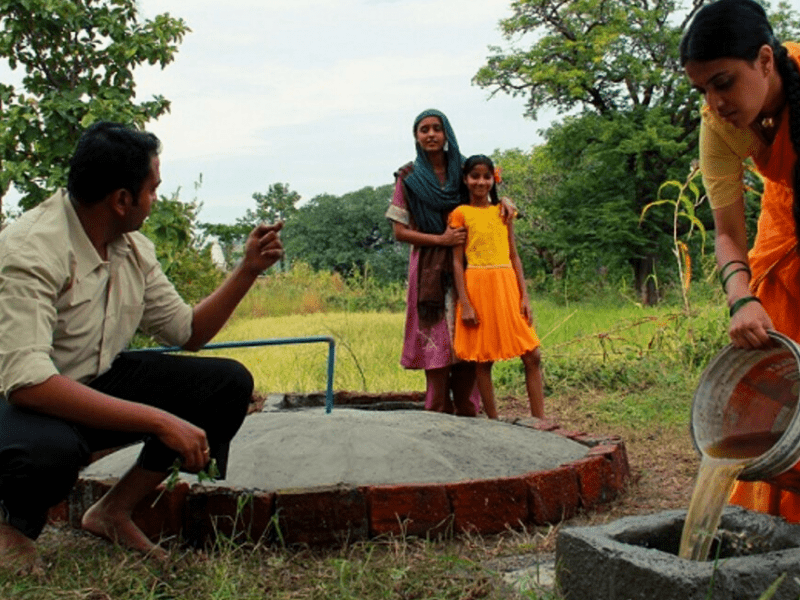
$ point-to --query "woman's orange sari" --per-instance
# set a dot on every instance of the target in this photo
(775, 263)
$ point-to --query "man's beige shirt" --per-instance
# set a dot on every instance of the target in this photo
(63, 309)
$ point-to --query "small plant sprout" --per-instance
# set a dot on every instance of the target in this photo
(210, 473)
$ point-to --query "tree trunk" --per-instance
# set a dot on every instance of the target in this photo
(644, 269)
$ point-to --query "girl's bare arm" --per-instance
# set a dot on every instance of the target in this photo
(467, 311)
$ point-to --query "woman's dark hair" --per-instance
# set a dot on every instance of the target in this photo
(109, 157)
(469, 164)
(738, 29)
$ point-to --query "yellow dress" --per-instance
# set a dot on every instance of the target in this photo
(502, 331)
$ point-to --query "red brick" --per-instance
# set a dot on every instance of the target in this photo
(489, 506)
(160, 514)
(239, 515)
(538, 424)
(567, 433)
(322, 516)
(85, 493)
(594, 481)
(589, 441)
(418, 509)
(553, 494)
(617, 456)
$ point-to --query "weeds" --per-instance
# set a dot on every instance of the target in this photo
(401, 568)
(624, 363)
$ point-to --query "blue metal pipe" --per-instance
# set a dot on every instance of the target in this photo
(272, 342)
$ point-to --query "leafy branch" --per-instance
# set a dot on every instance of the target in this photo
(684, 206)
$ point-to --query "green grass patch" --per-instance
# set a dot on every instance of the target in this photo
(80, 566)
(367, 346)
(644, 361)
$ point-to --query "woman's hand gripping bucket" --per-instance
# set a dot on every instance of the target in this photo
(745, 407)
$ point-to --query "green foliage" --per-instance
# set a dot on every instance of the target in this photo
(345, 234)
(301, 291)
(367, 292)
(604, 56)
(278, 204)
(645, 365)
(183, 258)
(613, 65)
(527, 178)
(606, 169)
(78, 58)
(231, 239)
(686, 200)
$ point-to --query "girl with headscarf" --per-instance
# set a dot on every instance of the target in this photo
(426, 190)
(751, 84)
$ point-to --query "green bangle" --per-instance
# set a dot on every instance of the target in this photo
(741, 302)
(732, 262)
(731, 274)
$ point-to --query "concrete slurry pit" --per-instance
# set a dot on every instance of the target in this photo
(299, 475)
(635, 558)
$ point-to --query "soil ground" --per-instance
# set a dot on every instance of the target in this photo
(662, 460)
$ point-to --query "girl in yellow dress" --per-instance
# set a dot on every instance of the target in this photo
(493, 314)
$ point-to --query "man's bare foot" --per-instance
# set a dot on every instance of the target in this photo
(17, 551)
(120, 529)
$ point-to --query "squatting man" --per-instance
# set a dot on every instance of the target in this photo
(77, 279)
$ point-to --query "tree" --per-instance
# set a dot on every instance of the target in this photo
(528, 178)
(184, 257)
(230, 238)
(278, 204)
(613, 65)
(78, 58)
(606, 169)
(347, 233)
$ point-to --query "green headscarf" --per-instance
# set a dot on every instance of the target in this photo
(429, 200)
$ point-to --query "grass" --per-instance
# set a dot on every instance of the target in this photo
(645, 360)
(80, 567)
(610, 367)
(367, 352)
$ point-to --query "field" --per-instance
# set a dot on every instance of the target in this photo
(611, 367)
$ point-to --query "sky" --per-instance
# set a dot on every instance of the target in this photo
(320, 94)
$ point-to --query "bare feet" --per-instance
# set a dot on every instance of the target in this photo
(119, 528)
(17, 551)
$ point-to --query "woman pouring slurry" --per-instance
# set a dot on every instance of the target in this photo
(751, 86)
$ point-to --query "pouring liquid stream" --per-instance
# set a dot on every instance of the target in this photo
(721, 464)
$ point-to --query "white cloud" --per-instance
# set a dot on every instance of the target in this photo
(319, 94)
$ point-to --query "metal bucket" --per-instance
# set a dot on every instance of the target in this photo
(746, 393)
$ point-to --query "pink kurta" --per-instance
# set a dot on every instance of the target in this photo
(423, 347)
